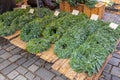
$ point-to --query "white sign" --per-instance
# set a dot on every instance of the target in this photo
(23, 6)
(31, 11)
(113, 25)
(56, 13)
(94, 17)
(75, 12)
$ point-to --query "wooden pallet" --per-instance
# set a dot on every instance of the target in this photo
(44, 55)
(12, 36)
(62, 66)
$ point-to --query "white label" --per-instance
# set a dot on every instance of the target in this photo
(94, 17)
(31, 11)
(113, 25)
(75, 12)
(56, 13)
(23, 6)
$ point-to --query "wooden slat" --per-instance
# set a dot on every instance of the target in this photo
(12, 36)
(62, 6)
(38, 54)
(58, 64)
(49, 55)
(18, 42)
(65, 67)
(71, 74)
(81, 76)
(53, 59)
(91, 77)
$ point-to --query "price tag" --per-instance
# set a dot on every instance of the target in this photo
(23, 6)
(31, 11)
(94, 17)
(113, 25)
(56, 13)
(75, 12)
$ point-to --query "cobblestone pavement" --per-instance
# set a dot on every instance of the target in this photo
(110, 17)
(15, 66)
(112, 69)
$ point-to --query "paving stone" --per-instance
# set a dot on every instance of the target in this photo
(9, 69)
(63, 77)
(101, 79)
(114, 61)
(23, 53)
(6, 46)
(33, 68)
(36, 78)
(22, 70)
(115, 78)
(1, 59)
(45, 74)
(2, 77)
(13, 74)
(6, 55)
(107, 68)
(48, 66)
(20, 77)
(10, 48)
(36, 58)
(28, 63)
(15, 51)
(29, 75)
(4, 64)
(21, 61)
(0, 47)
(116, 55)
(115, 71)
(58, 78)
(2, 51)
(55, 72)
(39, 62)
(107, 76)
(14, 58)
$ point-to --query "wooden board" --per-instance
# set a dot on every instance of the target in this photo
(18, 42)
(13, 36)
(48, 55)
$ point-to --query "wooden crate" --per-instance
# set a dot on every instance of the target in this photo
(62, 6)
(67, 6)
(99, 9)
(80, 7)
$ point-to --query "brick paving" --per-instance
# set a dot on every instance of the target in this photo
(15, 66)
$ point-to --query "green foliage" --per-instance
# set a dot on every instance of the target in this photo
(44, 12)
(17, 1)
(6, 20)
(37, 45)
(89, 3)
(31, 30)
(55, 30)
(90, 56)
(77, 32)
